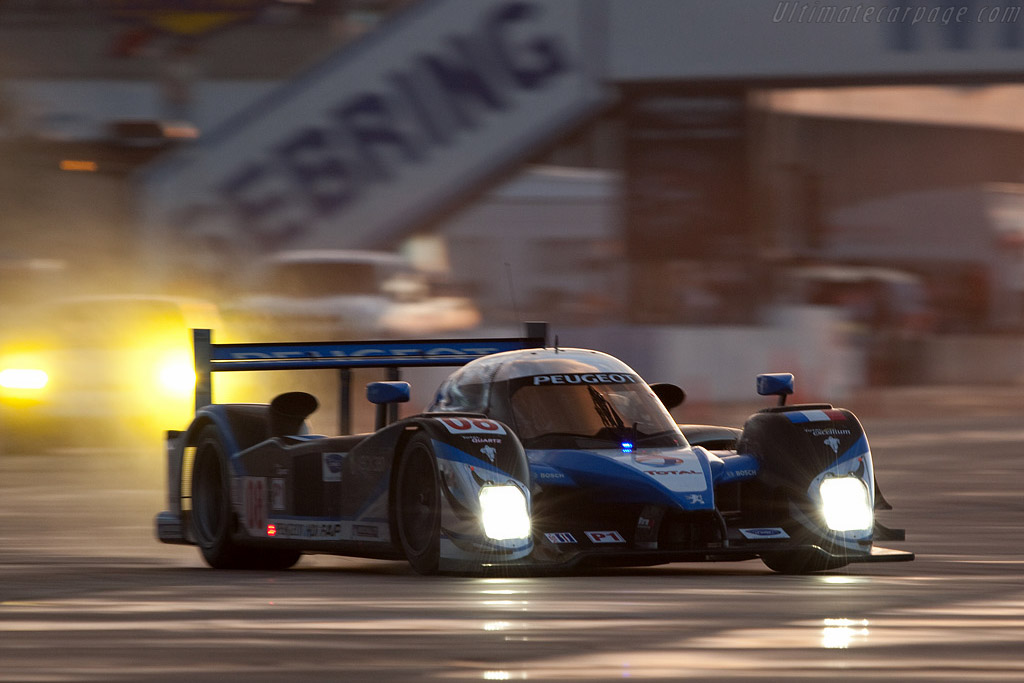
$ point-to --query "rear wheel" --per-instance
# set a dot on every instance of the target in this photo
(418, 505)
(212, 517)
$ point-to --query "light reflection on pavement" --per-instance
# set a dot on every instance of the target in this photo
(87, 594)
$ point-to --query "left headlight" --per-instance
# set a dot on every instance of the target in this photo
(846, 504)
(23, 378)
(503, 512)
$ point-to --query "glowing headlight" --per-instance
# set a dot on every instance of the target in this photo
(177, 377)
(23, 378)
(503, 512)
(846, 504)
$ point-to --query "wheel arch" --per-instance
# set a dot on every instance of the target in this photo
(798, 446)
(184, 451)
(405, 431)
(509, 455)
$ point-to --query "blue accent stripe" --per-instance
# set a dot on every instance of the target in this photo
(450, 453)
(858, 449)
(621, 482)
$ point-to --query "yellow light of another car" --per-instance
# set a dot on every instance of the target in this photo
(177, 377)
(23, 378)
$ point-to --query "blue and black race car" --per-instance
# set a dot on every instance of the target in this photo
(529, 457)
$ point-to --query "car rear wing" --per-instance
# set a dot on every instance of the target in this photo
(346, 356)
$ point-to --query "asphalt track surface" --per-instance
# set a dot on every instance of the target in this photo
(88, 594)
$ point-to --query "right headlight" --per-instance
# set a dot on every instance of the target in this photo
(846, 504)
(503, 512)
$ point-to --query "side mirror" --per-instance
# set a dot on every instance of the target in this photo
(669, 394)
(384, 394)
(775, 384)
(288, 412)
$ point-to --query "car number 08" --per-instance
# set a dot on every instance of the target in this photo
(255, 502)
(471, 425)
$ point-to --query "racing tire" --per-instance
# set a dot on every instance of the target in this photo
(271, 559)
(801, 562)
(212, 517)
(418, 505)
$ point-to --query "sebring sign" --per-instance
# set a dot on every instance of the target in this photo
(387, 130)
(417, 115)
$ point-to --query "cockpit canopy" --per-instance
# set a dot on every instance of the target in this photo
(569, 398)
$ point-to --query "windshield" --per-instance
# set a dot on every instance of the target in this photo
(589, 410)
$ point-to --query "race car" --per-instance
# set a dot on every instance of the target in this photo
(529, 457)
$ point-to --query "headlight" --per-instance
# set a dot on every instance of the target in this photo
(23, 378)
(503, 512)
(846, 504)
(176, 376)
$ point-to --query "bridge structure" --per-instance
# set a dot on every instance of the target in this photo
(439, 102)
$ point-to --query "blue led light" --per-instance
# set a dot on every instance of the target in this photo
(627, 447)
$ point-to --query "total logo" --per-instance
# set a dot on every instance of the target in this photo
(675, 470)
(657, 460)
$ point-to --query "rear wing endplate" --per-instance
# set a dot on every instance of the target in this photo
(346, 356)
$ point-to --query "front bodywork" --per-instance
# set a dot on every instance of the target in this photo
(615, 482)
(688, 504)
(642, 506)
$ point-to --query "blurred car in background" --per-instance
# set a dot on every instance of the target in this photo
(77, 369)
(339, 294)
(873, 296)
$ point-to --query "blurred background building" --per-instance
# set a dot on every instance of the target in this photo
(844, 173)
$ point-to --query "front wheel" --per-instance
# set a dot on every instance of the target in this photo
(418, 505)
